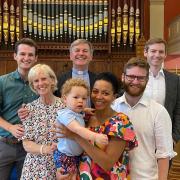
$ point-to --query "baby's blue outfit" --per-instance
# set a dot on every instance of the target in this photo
(65, 145)
(67, 155)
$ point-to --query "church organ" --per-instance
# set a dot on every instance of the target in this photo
(113, 26)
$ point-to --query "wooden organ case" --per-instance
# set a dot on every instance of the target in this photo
(115, 27)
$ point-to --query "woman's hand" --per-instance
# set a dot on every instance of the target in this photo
(60, 176)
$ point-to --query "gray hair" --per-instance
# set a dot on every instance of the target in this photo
(81, 41)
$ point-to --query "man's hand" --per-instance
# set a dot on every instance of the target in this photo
(17, 130)
(23, 112)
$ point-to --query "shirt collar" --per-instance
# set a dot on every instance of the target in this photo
(160, 73)
(75, 71)
(16, 75)
(143, 100)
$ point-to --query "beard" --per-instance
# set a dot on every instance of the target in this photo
(136, 91)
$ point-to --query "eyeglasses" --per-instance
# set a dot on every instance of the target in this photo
(139, 78)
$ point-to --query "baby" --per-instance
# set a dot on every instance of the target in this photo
(74, 93)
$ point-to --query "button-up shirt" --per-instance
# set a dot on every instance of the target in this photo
(14, 91)
(155, 87)
(152, 125)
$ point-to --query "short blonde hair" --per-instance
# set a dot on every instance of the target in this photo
(46, 70)
(74, 82)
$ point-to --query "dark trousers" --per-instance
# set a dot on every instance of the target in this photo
(10, 155)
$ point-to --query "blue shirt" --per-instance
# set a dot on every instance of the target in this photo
(14, 91)
(65, 145)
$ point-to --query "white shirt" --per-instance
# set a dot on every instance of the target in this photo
(152, 125)
(156, 87)
(85, 76)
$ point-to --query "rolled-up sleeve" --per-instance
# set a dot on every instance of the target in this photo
(163, 135)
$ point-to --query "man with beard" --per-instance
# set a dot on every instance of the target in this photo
(81, 54)
(163, 86)
(152, 124)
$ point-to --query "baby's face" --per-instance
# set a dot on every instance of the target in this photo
(76, 99)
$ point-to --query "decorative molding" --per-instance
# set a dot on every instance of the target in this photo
(174, 36)
(140, 47)
(157, 2)
(65, 46)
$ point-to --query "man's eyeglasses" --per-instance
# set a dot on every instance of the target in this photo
(139, 78)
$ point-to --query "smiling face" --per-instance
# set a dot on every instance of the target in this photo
(76, 99)
(42, 83)
(155, 54)
(81, 55)
(102, 95)
(25, 57)
(135, 87)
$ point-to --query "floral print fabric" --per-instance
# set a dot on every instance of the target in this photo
(37, 129)
(118, 126)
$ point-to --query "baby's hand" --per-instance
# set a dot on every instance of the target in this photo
(101, 139)
(89, 111)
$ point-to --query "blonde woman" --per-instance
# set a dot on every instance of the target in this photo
(37, 139)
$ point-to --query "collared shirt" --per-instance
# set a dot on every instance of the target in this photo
(152, 125)
(156, 87)
(85, 76)
(13, 93)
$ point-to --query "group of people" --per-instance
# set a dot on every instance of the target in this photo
(129, 135)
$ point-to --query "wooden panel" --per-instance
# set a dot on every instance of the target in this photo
(11, 66)
(99, 66)
(117, 68)
(58, 66)
(175, 166)
(7, 66)
(118, 61)
(2, 67)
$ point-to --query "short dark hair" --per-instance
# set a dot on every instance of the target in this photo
(137, 62)
(28, 42)
(155, 41)
(111, 78)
